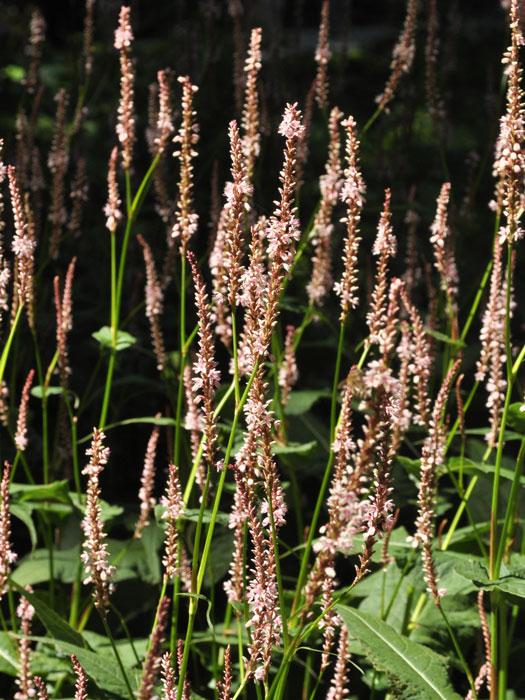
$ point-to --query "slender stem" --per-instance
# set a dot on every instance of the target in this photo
(326, 477)
(9, 341)
(117, 656)
(197, 582)
(183, 353)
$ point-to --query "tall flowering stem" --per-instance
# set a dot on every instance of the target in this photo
(185, 221)
(384, 248)
(250, 114)
(7, 555)
(126, 118)
(322, 56)
(402, 55)
(95, 554)
(330, 186)
(206, 374)
(24, 681)
(154, 303)
(153, 659)
(21, 423)
(147, 482)
(443, 255)
(187, 136)
(352, 194)
(81, 679)
(57, 162)
(432, 457)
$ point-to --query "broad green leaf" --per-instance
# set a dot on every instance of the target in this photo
(35, 568)
(38, 391)
(101, 668)
(413, 670)
(302, 401)
(411, 466)
(508, 582)
(55, 625)
(22, 511)
(56, 491)
(470, 467)
(108, 510)
(516, 417)
(105, 337)
(8, 655)
(152, 537)
(294, 448)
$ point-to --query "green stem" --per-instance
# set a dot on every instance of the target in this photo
(9, 341)
(326, 477)
(117, 656)
(197, 582)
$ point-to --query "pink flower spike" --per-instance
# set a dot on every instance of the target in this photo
(7, 555)
(95, 553)
(21, 425)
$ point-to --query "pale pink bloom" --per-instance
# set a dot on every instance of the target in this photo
(402, 55)
(147, 481)
(322, 56)
(288, 372)
(185, 218)
(154, 303)
(112, 207)
(174, 504)
(432, 457)
(384, 248)
(25, 611)
(95, 554)
(291, 126)
(7, 555)
(250, 115)
(81, 680)
(352, 193)
(126, 119)
(509, 162)
(169, 684)
(339, 686)
(330, 186)
(21, 424)
(440, 239)
(164, 123)
(152, 661)
(123, 33)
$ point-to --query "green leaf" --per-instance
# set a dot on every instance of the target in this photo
(193, 515)
(415, 671)
(105, 337)
(302, 401)
(14, 73)
(38, 391)
(478, 573)
(55, 625)
(102, 668)
(35, 568)
(294, 448)
(8, 657)
(56, 491)
(516, 417)
(470, 467)
(108, 511)
(22, 511)
(444, 338)
(411, 466)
